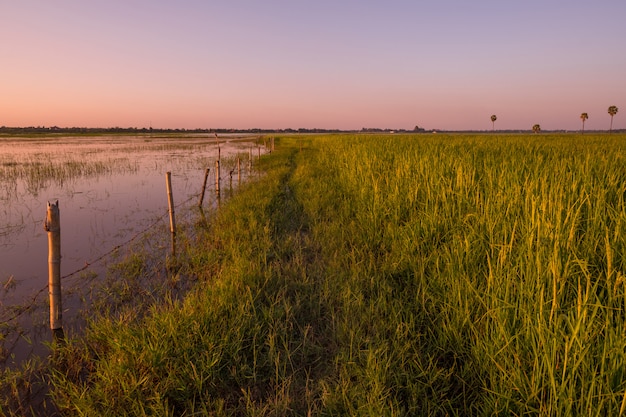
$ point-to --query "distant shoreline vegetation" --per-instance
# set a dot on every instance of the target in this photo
(30, 130)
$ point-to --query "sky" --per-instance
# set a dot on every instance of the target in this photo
(333, 64)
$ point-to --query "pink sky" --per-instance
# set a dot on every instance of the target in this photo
(327, 64)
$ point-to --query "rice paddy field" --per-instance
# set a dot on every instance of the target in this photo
(386, 275)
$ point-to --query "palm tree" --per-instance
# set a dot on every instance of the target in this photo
(583, 117)
(493, 122)
(612, 112)
(537, 128)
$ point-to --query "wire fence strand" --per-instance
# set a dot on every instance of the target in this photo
(26, 308)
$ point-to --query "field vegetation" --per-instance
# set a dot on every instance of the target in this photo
(387, 275)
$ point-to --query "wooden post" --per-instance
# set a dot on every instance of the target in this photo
(259, 146)
(202, 216)
(217, 176)
(238, 170)
(206, 176)
(219, 150)
(53, 227)
(170, 203)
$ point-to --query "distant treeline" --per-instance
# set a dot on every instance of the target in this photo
(144, 130)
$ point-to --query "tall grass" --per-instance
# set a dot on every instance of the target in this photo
(388, 275)
(497, 262)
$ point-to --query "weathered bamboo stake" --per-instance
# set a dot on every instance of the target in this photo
(170, 203)
(219, 150)
(217, 176)
(204, 222)
(53, 227)
(238, 170)
(259, 147)
(206, 177)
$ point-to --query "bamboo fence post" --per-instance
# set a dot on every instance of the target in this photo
(238, 170)
(206, 177)
(219, 150)
(259, 147)
(204, 222)
(170, 203)
(217, 176)
(53, 226)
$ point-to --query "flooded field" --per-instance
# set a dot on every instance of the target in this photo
(111, 191)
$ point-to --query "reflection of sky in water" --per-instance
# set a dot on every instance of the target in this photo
(103, 211)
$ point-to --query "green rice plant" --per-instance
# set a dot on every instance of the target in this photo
(498, 232)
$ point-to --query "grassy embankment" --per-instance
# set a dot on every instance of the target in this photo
(388, 275)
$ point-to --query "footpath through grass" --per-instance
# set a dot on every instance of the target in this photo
(387, 276)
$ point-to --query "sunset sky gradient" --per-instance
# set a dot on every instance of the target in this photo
(446, 64)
